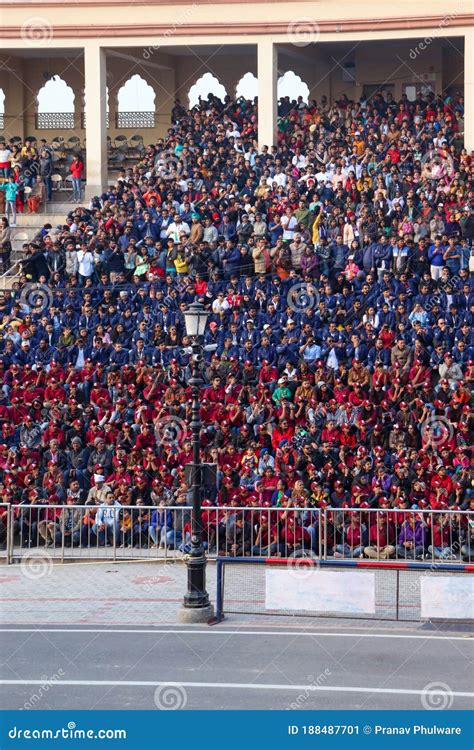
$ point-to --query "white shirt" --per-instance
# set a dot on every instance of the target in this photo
(288, 223)
(86, 263)
(332, 360)
(218, 306)
(175, 230)
(280, 179)
(80, 360)
(299, 161)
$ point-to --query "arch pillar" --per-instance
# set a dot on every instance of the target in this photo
(469, 89)
(13, 84)
(96, 130)
(267, 93)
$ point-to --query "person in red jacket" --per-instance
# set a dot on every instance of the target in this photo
(76, 169)
(215, 394)
(381, 536)
(441, 537)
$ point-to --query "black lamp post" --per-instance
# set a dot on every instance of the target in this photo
(196, 605)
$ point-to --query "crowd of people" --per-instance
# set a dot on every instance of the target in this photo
(26, 174)
(339, 352)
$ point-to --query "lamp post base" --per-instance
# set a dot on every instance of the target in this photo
(192, 615)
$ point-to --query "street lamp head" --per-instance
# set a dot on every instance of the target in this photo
(195, 319)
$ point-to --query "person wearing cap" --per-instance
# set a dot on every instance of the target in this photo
(101, 455)
(69, 523)
(30, 434)
(282, 392)
(107, 520)
(381, 536)
(411, 542)
(450, 370)
(99, 491)
(354, 538)
(160, 528)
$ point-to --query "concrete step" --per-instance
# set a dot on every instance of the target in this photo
(39, 220)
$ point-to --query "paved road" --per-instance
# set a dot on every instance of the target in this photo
(225, 667)
(104, 636)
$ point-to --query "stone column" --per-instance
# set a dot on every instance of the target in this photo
(96, 130)
(267, 93)
(469, 89)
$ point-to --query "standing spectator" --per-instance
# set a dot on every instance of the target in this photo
(11, 189)
(5, 160)
(5, 244)
(76, 169)
(46, 171)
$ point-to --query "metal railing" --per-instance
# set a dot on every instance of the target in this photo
(9, 275)
(140, 532)
(398, 535)
(5, 545)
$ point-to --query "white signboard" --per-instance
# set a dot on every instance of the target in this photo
(447, 597)
(316, 590)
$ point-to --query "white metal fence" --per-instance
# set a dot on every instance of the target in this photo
(129, 532)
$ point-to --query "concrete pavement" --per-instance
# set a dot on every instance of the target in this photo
(105, 636)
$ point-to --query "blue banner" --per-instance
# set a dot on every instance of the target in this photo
(236, 730)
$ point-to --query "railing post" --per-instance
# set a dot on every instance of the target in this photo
(325, 542)
(397, 594)
(10, 533)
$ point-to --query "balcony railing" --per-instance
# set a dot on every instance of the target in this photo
(55, 120)
(135, 120)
